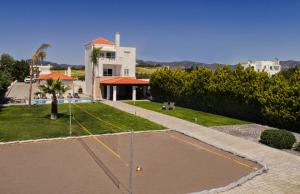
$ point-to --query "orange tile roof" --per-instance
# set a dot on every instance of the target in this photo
(101, 41)
(124, 81)
(55, 75)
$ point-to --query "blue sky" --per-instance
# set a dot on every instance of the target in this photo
(222, 31)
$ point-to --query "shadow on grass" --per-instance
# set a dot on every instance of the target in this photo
(59, 116)
(1, 107)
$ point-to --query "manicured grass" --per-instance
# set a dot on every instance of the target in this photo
(203, 118)
(24, 122)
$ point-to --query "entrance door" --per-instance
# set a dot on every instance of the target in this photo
(124, 92)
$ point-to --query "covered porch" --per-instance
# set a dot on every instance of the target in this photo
(124, 88)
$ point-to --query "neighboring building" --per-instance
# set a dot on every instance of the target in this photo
(43, 69)
(271, 67)
(56, 75)
(115, 71)
(67, 80)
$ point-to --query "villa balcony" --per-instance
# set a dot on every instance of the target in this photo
(110, 61)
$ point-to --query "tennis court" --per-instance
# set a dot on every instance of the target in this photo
(170, 163)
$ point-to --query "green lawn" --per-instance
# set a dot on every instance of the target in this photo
(23, 122)
(203, 118)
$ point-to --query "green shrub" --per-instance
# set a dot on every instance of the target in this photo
(297, 147)
(280, 139)
(234, 92)
(81, 77)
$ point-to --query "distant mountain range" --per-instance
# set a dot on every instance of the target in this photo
(59, 65)
(187, 64)
(174, 64)
(289, 64)
(179, 64)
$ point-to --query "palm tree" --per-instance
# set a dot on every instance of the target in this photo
(96, 52)
(54, 87)
(39, 55)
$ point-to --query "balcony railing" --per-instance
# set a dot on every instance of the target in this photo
(112, 61)
(111, 74)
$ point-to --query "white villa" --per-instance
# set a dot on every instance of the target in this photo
(115, 71)
(271, 67)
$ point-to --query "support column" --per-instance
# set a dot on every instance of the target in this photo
(134, 93)
(108, 92)
(114, 93)
(145, 91)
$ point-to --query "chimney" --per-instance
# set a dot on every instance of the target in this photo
(117, 39)
(69, 71)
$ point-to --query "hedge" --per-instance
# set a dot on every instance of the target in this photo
(244, 94)
(297, 147)
(280, 139)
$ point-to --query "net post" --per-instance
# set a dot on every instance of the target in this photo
(130, 163)
(70, 118)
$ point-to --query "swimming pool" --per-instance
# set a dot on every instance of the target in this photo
(60, 101)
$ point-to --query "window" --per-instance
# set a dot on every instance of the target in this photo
(126, 72)
(127, 52)
(111, 55)
(107, 72)
(101, 54)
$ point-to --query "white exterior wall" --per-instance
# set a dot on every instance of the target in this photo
(125, 58)
(88, 70)
(271, 67)
(44, 69)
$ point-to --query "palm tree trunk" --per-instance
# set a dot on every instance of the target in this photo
(54, 107)
(93, 81)
(30, 84)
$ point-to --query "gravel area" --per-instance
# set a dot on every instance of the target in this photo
(250, 132)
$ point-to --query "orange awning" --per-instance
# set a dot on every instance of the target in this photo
(124, 81)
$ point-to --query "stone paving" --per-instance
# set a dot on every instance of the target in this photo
(250, 132)
(283, 175)
(247, 131)
(21, 90)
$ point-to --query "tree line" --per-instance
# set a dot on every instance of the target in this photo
(240, 93)
(10, 70)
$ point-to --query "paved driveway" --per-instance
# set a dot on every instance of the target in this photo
(283, 175)
(21, 90)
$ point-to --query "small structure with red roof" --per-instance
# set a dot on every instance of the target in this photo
(55, 75)
(66, 79)
(114, 73)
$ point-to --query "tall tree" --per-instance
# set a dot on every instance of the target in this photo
(19, 70)
(5, 61)
(38, 56)
(5, 80)
(94, 59)
(53, 87)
